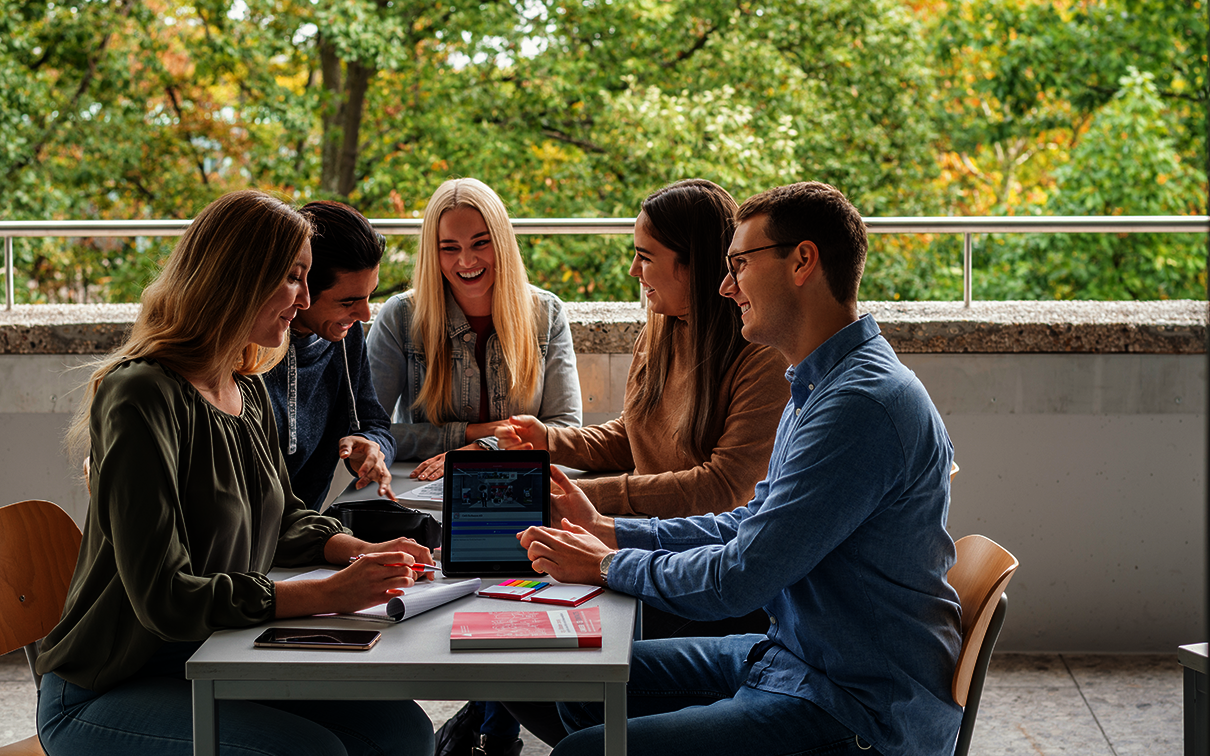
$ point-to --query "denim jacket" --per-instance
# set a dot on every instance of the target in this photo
(398, 369)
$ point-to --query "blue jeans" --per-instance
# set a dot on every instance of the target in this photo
(154, 715)
(687, 696)
(497, 721)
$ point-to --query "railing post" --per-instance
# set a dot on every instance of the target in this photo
(8, 272)
(966, 270)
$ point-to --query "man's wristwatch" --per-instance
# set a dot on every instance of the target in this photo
(488, 442)
(605, 562)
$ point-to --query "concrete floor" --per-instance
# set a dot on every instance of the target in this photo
(1039, 704)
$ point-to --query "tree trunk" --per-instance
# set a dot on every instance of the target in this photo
(330, 116)
(356, 83)
(344, 101)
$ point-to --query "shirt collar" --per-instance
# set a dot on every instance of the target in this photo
(805, 376)
(456, 323)
(303, 341)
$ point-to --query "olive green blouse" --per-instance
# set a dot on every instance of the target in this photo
(190, 507)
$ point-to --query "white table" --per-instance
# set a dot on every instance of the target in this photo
(401, 483)
(413, 660)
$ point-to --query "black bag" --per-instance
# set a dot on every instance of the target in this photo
(378, 520)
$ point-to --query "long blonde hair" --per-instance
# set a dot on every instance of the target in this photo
(197, 315)
(513, 308)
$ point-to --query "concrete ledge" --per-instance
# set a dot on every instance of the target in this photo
(1166, 327)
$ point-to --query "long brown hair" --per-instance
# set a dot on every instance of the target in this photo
(696, 219)
(197, 315)
(513, 307)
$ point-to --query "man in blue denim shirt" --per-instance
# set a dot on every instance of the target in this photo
(844, 543)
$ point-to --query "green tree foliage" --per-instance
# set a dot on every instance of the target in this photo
(1126, 163)
(118, 109)
(1089, 108)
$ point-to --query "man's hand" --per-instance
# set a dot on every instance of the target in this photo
(522, 432)
(369, 464)
(571, 504)
(570, 555)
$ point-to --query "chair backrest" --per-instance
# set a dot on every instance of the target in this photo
(39, 544)
(982, 570)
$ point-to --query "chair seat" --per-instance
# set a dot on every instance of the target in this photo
(31, 746)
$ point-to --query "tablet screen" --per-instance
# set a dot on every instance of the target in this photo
(489, 497)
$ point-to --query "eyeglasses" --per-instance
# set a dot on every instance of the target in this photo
(734, 268)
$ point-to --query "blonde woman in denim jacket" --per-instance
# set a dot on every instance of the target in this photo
(473, 342)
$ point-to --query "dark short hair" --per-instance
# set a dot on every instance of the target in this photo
(820, 213)
(343, 242)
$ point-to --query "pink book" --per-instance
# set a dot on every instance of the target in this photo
(560, 628)
(566, 595)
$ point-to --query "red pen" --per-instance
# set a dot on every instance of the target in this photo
(417, 567)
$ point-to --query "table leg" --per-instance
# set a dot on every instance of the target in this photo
(615, 719)
(205, 719)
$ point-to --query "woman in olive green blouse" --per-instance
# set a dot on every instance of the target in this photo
(191, 506)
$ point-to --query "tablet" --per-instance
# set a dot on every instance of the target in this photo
(489, 497)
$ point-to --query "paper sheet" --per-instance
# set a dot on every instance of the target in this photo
(415, 600)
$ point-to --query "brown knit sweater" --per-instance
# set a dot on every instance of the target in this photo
(666, 481)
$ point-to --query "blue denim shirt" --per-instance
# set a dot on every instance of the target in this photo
(397, 364)
(844, 545)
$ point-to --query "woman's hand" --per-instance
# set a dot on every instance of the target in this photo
(342, 548)
(420, 554)
(434, 467)
(367, 459)
(430, 469)
(476, 431)
(368, 581)
(522, 432)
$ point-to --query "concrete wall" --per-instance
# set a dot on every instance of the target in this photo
(1088, 467)
(1091, 470)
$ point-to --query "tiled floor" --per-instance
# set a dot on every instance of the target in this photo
(1040, 705)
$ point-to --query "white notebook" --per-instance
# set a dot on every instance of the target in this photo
(421, 597)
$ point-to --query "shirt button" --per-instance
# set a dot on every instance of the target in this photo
(467, 409)
(810, 386)
(772, 620)
(466, 337)
(797, 411)
(469, 372)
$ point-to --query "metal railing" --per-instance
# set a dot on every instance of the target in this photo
(968, 227)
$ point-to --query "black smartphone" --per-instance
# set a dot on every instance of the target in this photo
(317, 637)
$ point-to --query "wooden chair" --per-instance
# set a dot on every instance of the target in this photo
(39, 544)
(982, 570)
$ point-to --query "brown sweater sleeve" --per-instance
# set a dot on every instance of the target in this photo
(756, 395)
(595, 448)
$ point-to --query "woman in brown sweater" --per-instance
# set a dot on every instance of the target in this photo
(702, 404)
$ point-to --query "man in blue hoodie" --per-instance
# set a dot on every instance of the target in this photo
(322, 394)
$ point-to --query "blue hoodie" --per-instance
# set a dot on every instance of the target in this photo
(322, 392)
